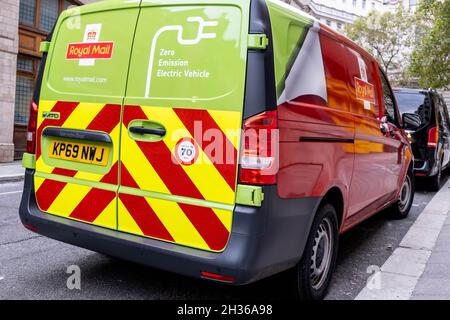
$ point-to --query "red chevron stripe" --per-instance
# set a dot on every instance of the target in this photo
(208, 225)
(50, 189)
(107, 119)
(65, 109)
(96, 200)
(142, 212)
(178, 182)
(227, 170)
(160, 157)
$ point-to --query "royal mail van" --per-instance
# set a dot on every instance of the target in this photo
(224, 140)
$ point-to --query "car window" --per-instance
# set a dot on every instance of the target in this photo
(388, 98)
(415, 102)
(443, 115)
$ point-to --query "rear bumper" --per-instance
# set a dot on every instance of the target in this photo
(264, 241)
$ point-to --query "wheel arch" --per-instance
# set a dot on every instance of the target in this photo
(335, 197)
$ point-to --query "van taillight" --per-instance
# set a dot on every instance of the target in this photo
(433, 137)
(259, 156)
(32, 125)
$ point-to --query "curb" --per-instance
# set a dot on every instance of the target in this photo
(399, 275)
(12, 178)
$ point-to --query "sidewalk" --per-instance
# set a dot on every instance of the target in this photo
(420, 267)
(435, 281)
(11, 172)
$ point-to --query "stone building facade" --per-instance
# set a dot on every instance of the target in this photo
(9, 46)
(23, 25)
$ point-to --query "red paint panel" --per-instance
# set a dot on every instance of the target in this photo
(189, 119)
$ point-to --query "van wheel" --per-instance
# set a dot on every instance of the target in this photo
(401, 208)
(313, 272)
(435, 182)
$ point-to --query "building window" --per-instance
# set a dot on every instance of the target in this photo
(328, 22)
(363, 4)
(339, 25)
(354, 3)
(49, 12)
(26, 71)
(27, 12)
(373, 5)
(41, 14)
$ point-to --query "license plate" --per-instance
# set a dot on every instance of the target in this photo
(79, 152)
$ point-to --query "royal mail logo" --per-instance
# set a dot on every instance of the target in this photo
(95, 50)
(364, 91)
(91, 48)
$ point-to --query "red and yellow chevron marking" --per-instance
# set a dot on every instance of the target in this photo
(75, 200)
(147, 167)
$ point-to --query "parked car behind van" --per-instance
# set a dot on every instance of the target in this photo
(224, 140)
(430, 137)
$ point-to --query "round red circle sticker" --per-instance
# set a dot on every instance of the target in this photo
(186, 151)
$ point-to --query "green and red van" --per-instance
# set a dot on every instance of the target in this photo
(227, 140)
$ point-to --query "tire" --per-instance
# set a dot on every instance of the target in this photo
(435, 182)
(400, 209)
(321, 248)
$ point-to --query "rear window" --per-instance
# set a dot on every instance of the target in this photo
(418, 103)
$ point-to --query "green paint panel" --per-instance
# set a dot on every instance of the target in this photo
(100, 80)
(192, 55)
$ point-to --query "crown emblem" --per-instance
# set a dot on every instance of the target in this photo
(91, 35)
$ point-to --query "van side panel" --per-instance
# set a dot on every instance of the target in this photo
(316, 130)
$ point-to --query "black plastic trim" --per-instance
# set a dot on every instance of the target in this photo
(324, 139)
(77, 134)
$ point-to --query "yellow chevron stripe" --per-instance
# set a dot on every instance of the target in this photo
(44, 106)
(230, 122)
(203, 174)
(108, 218)
(140, 169)
(83, 115)
(126, 222)
(68, 199)
(169, 213)
(38, 181)
(225, 216)
(176, 222)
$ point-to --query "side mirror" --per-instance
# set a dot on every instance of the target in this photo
(411, 121)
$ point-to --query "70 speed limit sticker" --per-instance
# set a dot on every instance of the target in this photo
(186, 151)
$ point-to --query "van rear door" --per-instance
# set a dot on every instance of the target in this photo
(182, 120)
(79, 112)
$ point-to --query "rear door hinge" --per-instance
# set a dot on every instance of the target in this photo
(44, 46)
(258, 41)
(249, 195)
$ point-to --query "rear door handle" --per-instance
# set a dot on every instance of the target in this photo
(143, 130)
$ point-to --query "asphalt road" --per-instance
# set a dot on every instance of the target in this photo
(34, 267)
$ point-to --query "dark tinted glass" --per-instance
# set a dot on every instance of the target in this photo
(418, 103)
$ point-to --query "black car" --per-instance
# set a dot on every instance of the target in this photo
(430, 136)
